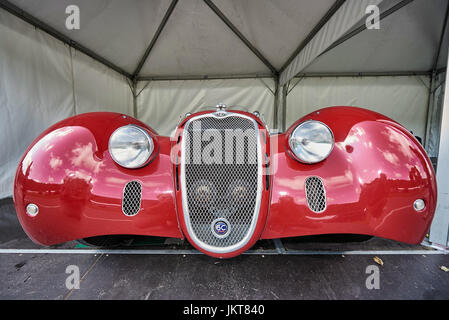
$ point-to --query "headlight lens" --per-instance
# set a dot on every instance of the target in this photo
(130, 146)
(311, 141)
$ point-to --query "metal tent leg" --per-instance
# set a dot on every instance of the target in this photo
(440, 226)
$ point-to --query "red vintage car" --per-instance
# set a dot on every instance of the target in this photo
(224, 182)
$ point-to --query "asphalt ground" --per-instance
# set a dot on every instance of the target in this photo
(320, 268)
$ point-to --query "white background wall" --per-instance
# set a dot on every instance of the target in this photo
(162, 103)
(37, 89)
(404, 99)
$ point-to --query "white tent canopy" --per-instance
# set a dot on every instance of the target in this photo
(232, 39)
(157, 60)
(196, 42)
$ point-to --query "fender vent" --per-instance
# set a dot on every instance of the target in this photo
(316, 195)
(132, 195)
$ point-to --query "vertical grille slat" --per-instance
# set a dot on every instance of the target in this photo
(226, 188)
(315, 194)
(132, 196)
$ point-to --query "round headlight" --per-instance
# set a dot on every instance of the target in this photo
(130, 146)
(311, 141)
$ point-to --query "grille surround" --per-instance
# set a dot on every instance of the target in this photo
(132, 198)
(315, 194)
(191, 228)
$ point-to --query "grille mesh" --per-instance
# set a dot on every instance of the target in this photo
(132, 195)
(226, 187)
(316, 196)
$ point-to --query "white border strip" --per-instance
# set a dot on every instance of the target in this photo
(194, 252)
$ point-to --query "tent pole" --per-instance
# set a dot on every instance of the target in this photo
(434, 73)
(440, 70)
(284, 107)
(348, 16)
(342, 13)
(134, 92)
(203, 77)
(240, 35)
(440, 43)
(364, 74)
(362, 27)
(430, 105)
(299, 75)
(439, 229)
(337, 4)
(276, 104)
(155, 37)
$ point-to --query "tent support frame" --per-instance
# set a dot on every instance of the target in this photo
(203, 77)
(440, 43)
(439, 230)
(21, 14)
(299, 75)
(284, 106)
(362, 27)
(134, 93)
(364, 74)
(344, 38)
(276, 103)
(430, 107)
(432, 87)
(337, 4)
(240, 35)
(155, 37)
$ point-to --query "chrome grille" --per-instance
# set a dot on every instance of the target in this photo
(132, 195)
(224, 188)
(315, 194)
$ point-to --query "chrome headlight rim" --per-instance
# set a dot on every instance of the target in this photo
(293, 154)
(151, 154)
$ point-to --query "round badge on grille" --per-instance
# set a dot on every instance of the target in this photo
(221, 228)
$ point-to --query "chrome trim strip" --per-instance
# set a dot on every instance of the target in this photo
(196, 252)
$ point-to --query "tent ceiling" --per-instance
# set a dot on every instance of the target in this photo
(196, 42)
(275, 27)
(407, 41)
(117, 30)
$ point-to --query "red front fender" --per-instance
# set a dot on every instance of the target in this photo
(68, 172)
(375, 172)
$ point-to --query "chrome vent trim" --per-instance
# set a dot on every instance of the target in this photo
(222, 177)
(132, 197)
(315, 194)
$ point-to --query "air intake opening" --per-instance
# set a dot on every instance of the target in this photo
(315, 194)
(132, 195)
